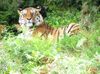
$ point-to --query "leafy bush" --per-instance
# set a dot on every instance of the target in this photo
(58, 19)
(8, 11)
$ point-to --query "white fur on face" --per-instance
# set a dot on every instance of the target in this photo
(33, 10)
(29, 23)
(38, 20)
(23, 21)
(24, 11)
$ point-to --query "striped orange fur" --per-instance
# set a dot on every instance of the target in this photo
(56, 33)
(44, 30)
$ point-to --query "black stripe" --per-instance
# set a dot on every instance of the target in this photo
(70, 28)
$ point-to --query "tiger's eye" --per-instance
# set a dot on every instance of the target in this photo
(37, 18)
(24, 14)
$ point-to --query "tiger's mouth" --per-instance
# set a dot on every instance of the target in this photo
(29, 23)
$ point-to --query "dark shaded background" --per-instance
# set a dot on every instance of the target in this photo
(8, 8)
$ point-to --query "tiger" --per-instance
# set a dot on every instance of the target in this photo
(47, 31)
(26, 16)
(43, 29)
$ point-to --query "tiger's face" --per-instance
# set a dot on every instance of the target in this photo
(38, 19)
(27, 16)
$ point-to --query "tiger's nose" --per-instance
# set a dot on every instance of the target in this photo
(28, 18)
(33, 23)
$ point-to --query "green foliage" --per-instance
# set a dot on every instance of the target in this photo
(58, 18)
(27, 54)
(68, 44)
(8, 11)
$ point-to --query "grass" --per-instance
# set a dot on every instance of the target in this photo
(39, 56)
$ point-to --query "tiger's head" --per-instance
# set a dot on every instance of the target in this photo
(38, 19)
(28, 16)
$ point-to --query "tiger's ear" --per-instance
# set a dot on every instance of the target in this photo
(19, 11)
(38, 8)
